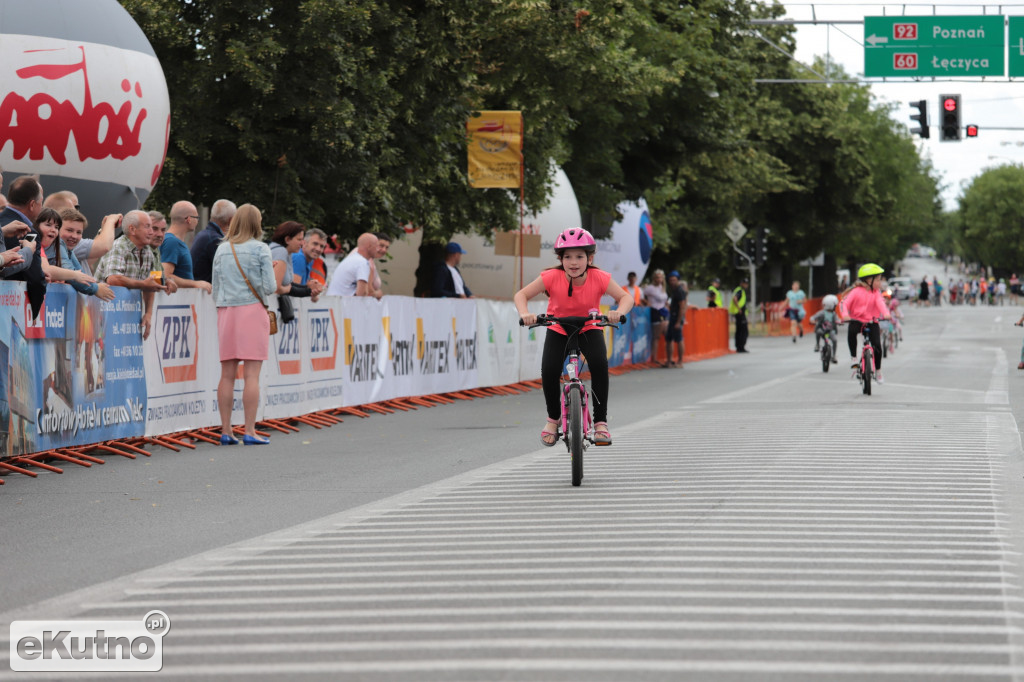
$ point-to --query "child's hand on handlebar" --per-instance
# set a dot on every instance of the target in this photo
(614, 316)
(527, 319)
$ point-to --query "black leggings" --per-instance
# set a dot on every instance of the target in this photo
(593, 349)
(876, 340)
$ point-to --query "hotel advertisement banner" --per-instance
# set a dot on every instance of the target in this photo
(72, 376)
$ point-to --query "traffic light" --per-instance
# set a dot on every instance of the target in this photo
(949, 111)
(761, 247)
(972, 130)
(922, 119)
(747, 246)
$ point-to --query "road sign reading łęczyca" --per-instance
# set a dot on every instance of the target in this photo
(934, 46)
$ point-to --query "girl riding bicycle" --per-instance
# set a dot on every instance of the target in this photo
(863, 304)
(574, 288)
(895, 314)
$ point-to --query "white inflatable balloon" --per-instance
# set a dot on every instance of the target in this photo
(85, 103)
(628, 247)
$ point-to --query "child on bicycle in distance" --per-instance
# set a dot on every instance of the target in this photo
(863, 303)
(895, 314)
(574, 288)
(826, 320)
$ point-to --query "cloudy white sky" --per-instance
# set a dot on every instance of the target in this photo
(988, 103)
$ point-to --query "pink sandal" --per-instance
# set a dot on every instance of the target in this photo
(602, 436)
(544, 434)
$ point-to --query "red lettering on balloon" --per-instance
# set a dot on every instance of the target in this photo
(160, 166)
(41, 123)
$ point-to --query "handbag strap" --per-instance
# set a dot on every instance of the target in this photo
(251, 287)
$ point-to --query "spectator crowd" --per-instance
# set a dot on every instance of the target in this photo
(155, 253)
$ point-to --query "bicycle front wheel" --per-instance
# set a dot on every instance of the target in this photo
(826, 355)
(867, 369)
(575, 417)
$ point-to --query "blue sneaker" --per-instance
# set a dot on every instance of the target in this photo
(255, 440)
(225, 439)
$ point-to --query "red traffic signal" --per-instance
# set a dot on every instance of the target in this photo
(949, 124)
(972, 131)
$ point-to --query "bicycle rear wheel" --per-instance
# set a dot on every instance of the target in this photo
(575, 417)
(868, 367)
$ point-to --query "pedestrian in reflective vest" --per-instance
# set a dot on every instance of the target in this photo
(633, 290)
(738, 309)
(714, 295)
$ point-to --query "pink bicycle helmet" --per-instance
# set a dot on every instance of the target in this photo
(575, 238)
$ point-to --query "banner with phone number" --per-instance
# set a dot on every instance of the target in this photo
(73, 375)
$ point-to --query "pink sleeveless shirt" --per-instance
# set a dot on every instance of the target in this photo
(585, 297)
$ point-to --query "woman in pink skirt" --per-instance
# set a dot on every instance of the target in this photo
(243, 279)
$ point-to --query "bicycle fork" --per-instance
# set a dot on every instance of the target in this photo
(572, 369)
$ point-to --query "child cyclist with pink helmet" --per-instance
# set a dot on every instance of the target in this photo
(574, 288)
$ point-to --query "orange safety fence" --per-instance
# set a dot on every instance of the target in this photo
(705, 336)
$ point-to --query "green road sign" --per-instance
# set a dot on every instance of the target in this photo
(1015, 64)
(956, 46)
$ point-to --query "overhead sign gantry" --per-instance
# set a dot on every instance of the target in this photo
(941, 46)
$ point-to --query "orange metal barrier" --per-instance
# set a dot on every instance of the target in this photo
(705, 336)
(706, 333)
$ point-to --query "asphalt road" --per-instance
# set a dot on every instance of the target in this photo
(755, 519)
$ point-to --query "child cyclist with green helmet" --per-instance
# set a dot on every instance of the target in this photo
(863, 304)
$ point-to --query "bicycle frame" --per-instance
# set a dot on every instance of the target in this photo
(573, 367)
(866, 366)
(577, 424)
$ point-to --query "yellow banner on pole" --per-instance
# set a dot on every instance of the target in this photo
(495, 149)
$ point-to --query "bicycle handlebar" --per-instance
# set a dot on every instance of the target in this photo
(545, 320)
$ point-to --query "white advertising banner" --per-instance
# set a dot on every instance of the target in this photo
(498, 332)
(302, 373)
(532, 342)
(336, 352)
(403, 346)
(364, 348)
(182, 363)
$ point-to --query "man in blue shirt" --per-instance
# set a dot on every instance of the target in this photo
(204, 246)
(308, 264)
(174, 254)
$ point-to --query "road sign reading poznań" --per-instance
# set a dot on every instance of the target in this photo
(934, 46)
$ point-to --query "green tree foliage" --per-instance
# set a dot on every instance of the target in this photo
(991, 218)
(351, 116)
(859, 189)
